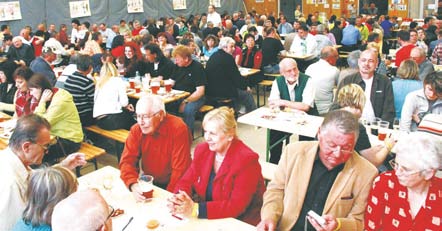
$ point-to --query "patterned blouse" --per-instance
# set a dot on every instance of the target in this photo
(388, 207)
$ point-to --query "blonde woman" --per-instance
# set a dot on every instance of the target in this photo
(47, 186)
(111, 105)
(406, 81)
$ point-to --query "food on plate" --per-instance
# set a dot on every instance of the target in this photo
(152, 224)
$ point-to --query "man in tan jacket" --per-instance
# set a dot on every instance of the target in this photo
(326, 176)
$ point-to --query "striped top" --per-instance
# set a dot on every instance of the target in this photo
(82, 90)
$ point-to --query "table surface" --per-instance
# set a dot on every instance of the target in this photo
(296, 56)
(248, 71)
(120, 198)
(291, 122)
(4, 137)
(167, 98)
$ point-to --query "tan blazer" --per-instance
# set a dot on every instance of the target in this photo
(285, 194)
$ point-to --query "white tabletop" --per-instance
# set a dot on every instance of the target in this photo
(291, 122)
(120, 197)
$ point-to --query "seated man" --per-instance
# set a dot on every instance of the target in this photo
(326, 176)
(82, 89)
(82, 210)
(157, 64)
(294, 90)
(161, 141)
(20, 53)
(42, 64)
(305, 43)
(189, 76)
(28, 144)
(224, 80)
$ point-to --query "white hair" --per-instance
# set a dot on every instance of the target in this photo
(155, 103)
(224, 42)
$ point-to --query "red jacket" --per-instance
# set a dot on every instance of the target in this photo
(403, 54)
(257, 59)
(237, 188)
(165, 154)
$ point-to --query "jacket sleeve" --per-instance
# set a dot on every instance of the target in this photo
(130, 157)
(388, 112)
(54, 113)
(191, 175)
(180, 156)
(258, 60)
(407, 112)
(244, 186)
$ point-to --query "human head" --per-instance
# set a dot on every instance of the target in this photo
(118, 41)
(303, 30)
(47, 186)
(408, 70)
(289, 69)
(412, 169)
(420, 33)
(48, 54)
(413, 36)
(219, 129)
(353, 58)
(84, 63)
(418, 55)
(227, 44)
(75, 23)
(433, 86)
(249, 40)
(153, 52)
(130, 52)
(107, 71)
(211, 8)
(7, 69)
(367, 62)
(150, 113)
(211, 41)
(30, 139)
(182, 55)
(5, 29)
(21, 77)
(17, 41)
(351, 97)
(329, 54)
(37, 84)
(340, 129)
(403, 36)
(88, 216)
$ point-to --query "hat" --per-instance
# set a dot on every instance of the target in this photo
(431, 123)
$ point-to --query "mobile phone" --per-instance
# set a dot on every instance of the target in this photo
(316, 217)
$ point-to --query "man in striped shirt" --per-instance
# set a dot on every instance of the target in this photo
(82, 89)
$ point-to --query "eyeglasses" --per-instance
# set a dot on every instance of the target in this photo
(404, 171)
(45, 147)
(337, 148)
(145, 117)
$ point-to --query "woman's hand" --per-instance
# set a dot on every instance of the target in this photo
(46, 96)
(181, 203)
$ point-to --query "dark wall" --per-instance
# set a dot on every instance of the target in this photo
(108, 11)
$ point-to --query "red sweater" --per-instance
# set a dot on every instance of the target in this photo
(165, 154)
(237, 188)
(403, 54)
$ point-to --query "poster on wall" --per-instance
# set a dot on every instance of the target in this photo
(10, 11)
(79, 9)
(179, 4)
(217, 3)
(336, 6)
(135, 6)
(259, 1)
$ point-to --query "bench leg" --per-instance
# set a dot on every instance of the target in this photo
(95, 163)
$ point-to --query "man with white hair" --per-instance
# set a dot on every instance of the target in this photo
(425, 66)
(42, 64)
(82, 211)
(224, 80)
(20, 53)
(160, 141)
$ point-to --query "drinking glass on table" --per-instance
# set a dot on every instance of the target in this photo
(146, 186)
(168, 83)
(383, 129)
(374, 125)
(154, 87)
(396, 124)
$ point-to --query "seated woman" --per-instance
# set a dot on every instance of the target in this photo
(57, 106)
(111, 105)
(406, 81)
(47, 186)
(224, 178)
(352, 98)
(210, 46)
(165, 47)
(421, 102)
(132, 61)
(251, 57)
(7, 87)
(410, 197)
(25, 104)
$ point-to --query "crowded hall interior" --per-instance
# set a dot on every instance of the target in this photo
(187, 115)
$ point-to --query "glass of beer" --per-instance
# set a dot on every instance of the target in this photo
(137, 89)
(374, 126)
(383, 130)
(131, 83)
(146, 186)
(154, 87)
(168, 85)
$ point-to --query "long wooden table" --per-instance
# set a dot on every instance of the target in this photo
(167, 98)
(288, 121)
(248, 71)
(119, 197)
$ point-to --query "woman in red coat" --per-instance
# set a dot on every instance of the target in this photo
(224, 179)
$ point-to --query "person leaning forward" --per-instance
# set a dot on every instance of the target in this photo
(326, 176)
(161, 141)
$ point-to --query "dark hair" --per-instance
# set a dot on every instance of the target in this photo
(434, 79)
(86, 24)
(117, 41)
(303, 27)
(75, 21)
(337, 23)
(4, 27)
(427, 19)
(154, 49)
(413, 25)
(95, 36)
(27, 129)
(8, 67)
(403, 35)
(7, 37)
(252, 29)
(39, 81)
(84, 62)
(147, 38)
(249, 36)
(23, 72)
(372, 37)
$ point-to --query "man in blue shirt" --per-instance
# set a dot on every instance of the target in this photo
(284, 27)
(351, 37)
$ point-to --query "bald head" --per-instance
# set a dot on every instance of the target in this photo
(82, 211)
(329, 54)
(418, 55)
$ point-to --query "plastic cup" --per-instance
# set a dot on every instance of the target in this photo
(383, 130)
(168, 85)
(137, 89)
(146, 185)
(154, 87)
(374, 126)
(132, 84)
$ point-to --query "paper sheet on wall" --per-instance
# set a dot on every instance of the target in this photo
(135, 6)
(80, 9)
(336, 6)
(216, 3)
(10, 11)
(179, 4)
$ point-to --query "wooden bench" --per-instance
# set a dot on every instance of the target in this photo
(202, 111)
(268, 170)
(118, 135)
(91, 153)
(272, 75)
(263, 84)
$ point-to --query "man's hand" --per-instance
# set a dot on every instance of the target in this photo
(266, 225)
(130, 108)
(137, 193)
(330, 223)
(74, 160)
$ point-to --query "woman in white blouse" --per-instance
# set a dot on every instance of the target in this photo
(111, 105)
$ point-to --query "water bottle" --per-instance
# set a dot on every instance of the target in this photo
(137, 77)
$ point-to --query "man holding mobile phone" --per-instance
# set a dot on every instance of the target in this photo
(326, 176)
